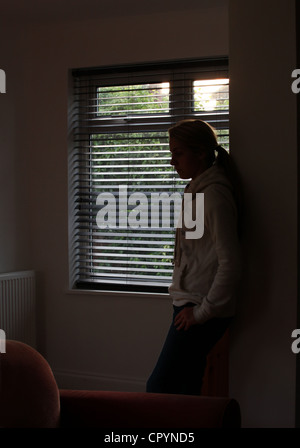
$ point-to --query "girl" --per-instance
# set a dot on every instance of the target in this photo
(207, 269)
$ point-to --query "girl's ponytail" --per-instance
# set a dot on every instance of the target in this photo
(224, 160)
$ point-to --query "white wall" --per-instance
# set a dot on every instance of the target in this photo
(111, 341)
(264, 143)
(8, 174)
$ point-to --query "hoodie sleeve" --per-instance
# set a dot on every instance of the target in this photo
(221, 223)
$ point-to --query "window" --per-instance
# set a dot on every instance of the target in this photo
(124, 195)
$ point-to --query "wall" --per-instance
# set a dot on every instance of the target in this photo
(8, 175)
(264, 142)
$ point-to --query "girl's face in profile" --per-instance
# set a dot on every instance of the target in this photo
(186, 162)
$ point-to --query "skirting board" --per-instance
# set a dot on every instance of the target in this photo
(87, 381)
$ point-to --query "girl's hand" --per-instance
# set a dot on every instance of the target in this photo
(185, 319)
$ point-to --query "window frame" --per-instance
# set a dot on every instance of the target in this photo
(149, 72)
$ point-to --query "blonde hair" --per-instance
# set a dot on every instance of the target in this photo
(200, 136)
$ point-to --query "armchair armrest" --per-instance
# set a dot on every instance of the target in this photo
(105, 409)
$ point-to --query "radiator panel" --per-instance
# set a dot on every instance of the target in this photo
(18, 306)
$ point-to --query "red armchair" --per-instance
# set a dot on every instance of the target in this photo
(30, 397)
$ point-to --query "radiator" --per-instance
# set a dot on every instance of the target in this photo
(18, 306)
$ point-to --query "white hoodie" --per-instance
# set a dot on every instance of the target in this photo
(207, 269)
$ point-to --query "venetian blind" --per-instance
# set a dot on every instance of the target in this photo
(124, 195)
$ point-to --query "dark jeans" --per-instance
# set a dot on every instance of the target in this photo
(181, 364)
